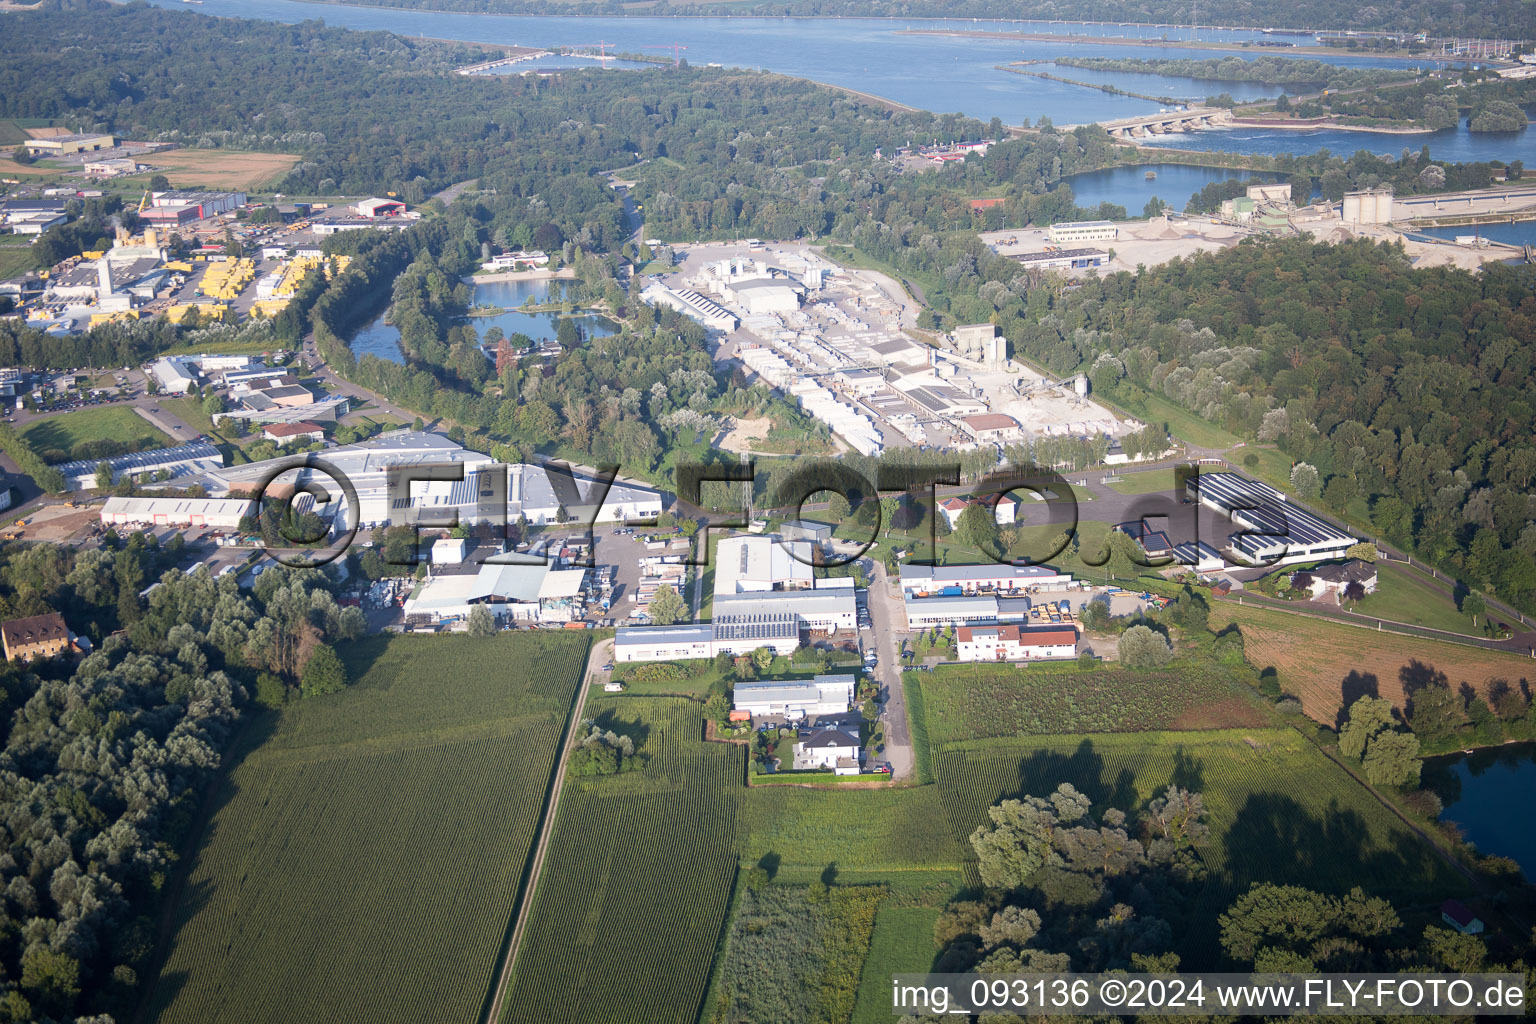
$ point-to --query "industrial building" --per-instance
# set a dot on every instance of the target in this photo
(1062, 259)
(212, 513)
(805, 529)
(531, 491)
(184, 460)
(375, 208)
(1275, 532)
(1199, 556)
(769, 296)
(202, 204)
(288, 433)
(992, 427)
(1015, 643)
(691, 304)
(535, 593)
(823, 695)
(827, 610)
(174, 375)
(70, 144)
(778, 630)
(1071, 232)
(758, 564)
(953, 580)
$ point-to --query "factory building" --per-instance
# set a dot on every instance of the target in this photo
(512, 593)
(767, 296)
(212, 513)
(1063, 259)
(174, 375)
(691, 304)
(375, 208)
(746, 565)
(779, 631)
(822, 611)
(1072, 232)
(184, 460)
(992, 427)
(68, 145)
(931, 580)
(203, 204)
(1276, 532)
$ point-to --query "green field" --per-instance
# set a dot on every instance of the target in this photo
(1279, 811)
(1406, 595)
(866, 830)
(100, 423)
(637, 880)
(1182, 423)
(902, 943)
(15, 256)
(970, 701)
(364, 859)
(1150, 482)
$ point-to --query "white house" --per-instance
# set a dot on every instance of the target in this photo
(952, 508)
(1015, 643)
(823, 695)
(828, 748)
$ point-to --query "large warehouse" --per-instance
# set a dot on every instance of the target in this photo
(727, 634)
(1277, 532)
(213, 513)
(183, 460)
(532, 491)
(746, 565)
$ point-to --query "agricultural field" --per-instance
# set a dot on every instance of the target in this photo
(638, 879)
(867, 830)
(1328, 664)
(1196, 692)
(98, 423)
(221, 168)
(364, 858)
(1279, 810)
(15, 256)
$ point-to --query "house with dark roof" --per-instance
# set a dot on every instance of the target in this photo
(37, 636)
(1152, 540)
(837, 749)
(1459, 916)
(1336, 578)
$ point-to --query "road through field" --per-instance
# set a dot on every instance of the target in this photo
(600, 655)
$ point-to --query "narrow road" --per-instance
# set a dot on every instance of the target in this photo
(886, 616)
(600, 655)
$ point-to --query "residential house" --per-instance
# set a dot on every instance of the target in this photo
(1336, 578)
(37, 636)
(1015, 643)
(836, 749)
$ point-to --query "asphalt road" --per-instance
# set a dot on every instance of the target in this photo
(886, 616)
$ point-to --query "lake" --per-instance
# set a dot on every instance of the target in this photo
(931, 72)
(1129, 187)
(1489, 793)
(382, 339)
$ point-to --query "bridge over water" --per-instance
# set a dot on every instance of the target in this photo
(1166, 123)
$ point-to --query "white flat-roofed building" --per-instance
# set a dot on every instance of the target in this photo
(758, 564)
(1014, 643)
(926, 612)
(213, 513)
(538, 495)
(1276, 532)
(933, 580)
(805, 529)
(823, 695)
(664, 643)
(826, 611)
(449, 550)
(1069, 232)
(772, 296)
(175, 375)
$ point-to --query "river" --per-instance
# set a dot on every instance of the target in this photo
(1489, 793)
(933, 72)
(382, 339)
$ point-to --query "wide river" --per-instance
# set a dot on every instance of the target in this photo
(934, 72)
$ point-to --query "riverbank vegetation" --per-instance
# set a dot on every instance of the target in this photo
(1267, 70)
